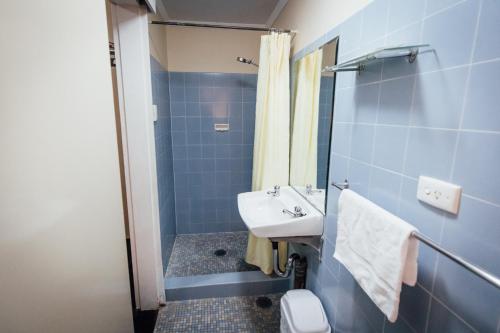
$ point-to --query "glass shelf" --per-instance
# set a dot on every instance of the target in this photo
(359, 63)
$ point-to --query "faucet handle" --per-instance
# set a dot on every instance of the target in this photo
(297, 209)
(276, 187)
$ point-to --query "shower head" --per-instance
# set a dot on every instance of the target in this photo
(246, 61)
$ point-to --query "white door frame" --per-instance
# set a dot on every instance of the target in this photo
(131, 38)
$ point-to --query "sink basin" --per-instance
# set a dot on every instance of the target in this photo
(264, 217)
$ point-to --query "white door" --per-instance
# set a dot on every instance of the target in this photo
(135, 98)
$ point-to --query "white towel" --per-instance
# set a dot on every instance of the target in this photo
(378, 250)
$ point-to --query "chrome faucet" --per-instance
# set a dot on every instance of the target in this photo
(297, 212)
(275, 192)
(310, 191)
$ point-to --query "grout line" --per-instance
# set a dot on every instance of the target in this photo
(444, 69)
(408, 324)
(481, 200)
(410, 177)
(454, 313)
(407, 143)
(442, 10)
(466, 94)
(420, 127)
(428, 315)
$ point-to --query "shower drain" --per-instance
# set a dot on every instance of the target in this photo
(220, 252)
(264, 302)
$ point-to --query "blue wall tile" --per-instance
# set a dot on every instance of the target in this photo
(366, 103)
(395, 101)
(165, 153)
(397, 67)
(430, 153)
(405, 12)
(488, 43)
(436, 117)
(362, 142)
(384, 189)
(483, 101)
(442, 320)
(351, 33)
(359, 177)
(212, 158)
(389, 149)
(341, 139)
(343, 105)
(437, 5)
(439, 98)
(413, 306)
(451, 35)
(373, 14)
(477, 165)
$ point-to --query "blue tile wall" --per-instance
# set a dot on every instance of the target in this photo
(164, 158)
(324, 128)
(396, 121)
(211, 167)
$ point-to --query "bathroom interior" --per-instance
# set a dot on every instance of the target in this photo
(274, 166)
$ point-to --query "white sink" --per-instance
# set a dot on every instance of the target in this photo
(264, 217)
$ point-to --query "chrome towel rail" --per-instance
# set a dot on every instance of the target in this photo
(483, 274)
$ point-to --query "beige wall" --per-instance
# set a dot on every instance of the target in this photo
(215, 50)
(211, 50)
(158, 41)
(62, 240)
(314, 18)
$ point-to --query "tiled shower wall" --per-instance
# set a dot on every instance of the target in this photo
(164, 159)
(437, 117)
(211, 167)
(324, 128)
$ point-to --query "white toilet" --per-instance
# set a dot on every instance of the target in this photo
(302, 312)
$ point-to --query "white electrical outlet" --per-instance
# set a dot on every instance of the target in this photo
(439, 194)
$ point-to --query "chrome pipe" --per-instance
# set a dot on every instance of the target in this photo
(290, 263)
(485, 275)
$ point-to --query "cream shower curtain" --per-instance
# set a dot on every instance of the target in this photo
(272, 135)
(304, 151)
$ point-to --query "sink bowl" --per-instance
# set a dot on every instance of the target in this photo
(264, 217)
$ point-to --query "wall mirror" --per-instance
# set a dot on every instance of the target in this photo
(311, 115)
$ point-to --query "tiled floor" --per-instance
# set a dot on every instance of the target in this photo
(219, 315)
(193, 254)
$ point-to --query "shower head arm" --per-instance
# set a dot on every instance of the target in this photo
(247, 61)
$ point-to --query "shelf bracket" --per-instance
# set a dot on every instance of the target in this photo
(412, 56)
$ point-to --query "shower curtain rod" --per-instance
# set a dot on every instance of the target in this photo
(219, 26)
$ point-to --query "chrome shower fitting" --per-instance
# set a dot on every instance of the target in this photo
(247, 61)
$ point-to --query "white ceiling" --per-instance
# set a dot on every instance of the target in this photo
(247, 13)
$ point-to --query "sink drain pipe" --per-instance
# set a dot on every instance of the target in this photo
(289, 264)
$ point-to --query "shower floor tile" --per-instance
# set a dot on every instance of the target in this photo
(193, 254)
(222, 315)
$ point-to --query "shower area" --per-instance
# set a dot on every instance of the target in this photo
(204, 136)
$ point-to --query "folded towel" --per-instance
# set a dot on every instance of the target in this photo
(376, 247)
